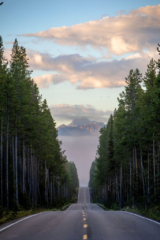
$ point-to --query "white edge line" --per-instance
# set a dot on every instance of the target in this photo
(69, 207)
(20, 221)
(142, 217)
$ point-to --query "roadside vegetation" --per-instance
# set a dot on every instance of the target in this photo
(126, 170)
(151, 212)
(12, 215)
(34, 171)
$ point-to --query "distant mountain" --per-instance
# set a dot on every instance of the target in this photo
(80, 127)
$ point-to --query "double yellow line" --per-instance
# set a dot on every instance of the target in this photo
(84, 225)
(83, 214)
(84, 198)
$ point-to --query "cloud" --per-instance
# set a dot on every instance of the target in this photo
(45, 80)
(124, 33)
(70, 112)
(87, 73)
(76, 69)
(7, 54)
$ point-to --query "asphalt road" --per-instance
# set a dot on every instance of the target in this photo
(82, 221)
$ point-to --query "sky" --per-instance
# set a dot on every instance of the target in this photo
(81, 51)
(82, 151)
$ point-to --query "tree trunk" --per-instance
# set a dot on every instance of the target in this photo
(16, 168)
(136, 164)
(58, 186)
(117, 189)
(148, 181)
(46, 182)
(142, 172)
(121, 179)
(133, 179)
(51, 190)
(130, 179)
(30, 172)
(32, 176)
(24, 168)
(36, 192)
(1, 160)
(106, 187)
(7, 133)
(136, 179)
(154, 165)
(13, 163)
(158, 163)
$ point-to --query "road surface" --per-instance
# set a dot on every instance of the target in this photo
(82, 221)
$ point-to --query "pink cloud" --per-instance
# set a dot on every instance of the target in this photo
(85, 73)
(124, 33)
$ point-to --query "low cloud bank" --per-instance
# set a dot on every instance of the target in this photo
(70, 112)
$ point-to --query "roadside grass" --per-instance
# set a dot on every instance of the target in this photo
(23, 213)
(152, 212)
(113, 207)
(66, 206)
(14, 215)
(102, 206)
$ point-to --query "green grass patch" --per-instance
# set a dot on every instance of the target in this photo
(152, 212)
(23, 213)
(113, 207)
(66, 206)
(14, 215)
(102, 206)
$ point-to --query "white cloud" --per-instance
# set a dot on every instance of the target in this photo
(87, 73)
(76, 69)
(45, 80)
(124, 33)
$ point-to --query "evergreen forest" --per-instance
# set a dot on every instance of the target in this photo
(34, 171)
(126, 170)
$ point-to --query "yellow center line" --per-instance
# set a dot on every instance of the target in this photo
(85, 225)
(84, 219)
(85, 237)
(83, 195)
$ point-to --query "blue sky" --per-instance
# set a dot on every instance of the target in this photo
(39, 15)
(75, 68)
(80, 53)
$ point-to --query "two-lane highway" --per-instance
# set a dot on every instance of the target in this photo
(82, 221)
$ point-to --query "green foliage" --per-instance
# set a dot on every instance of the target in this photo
(126, 171)
(37, 172)
(151, 212)
(102, 206)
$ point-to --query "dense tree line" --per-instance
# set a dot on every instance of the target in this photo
(33, 169)
(126, 170)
